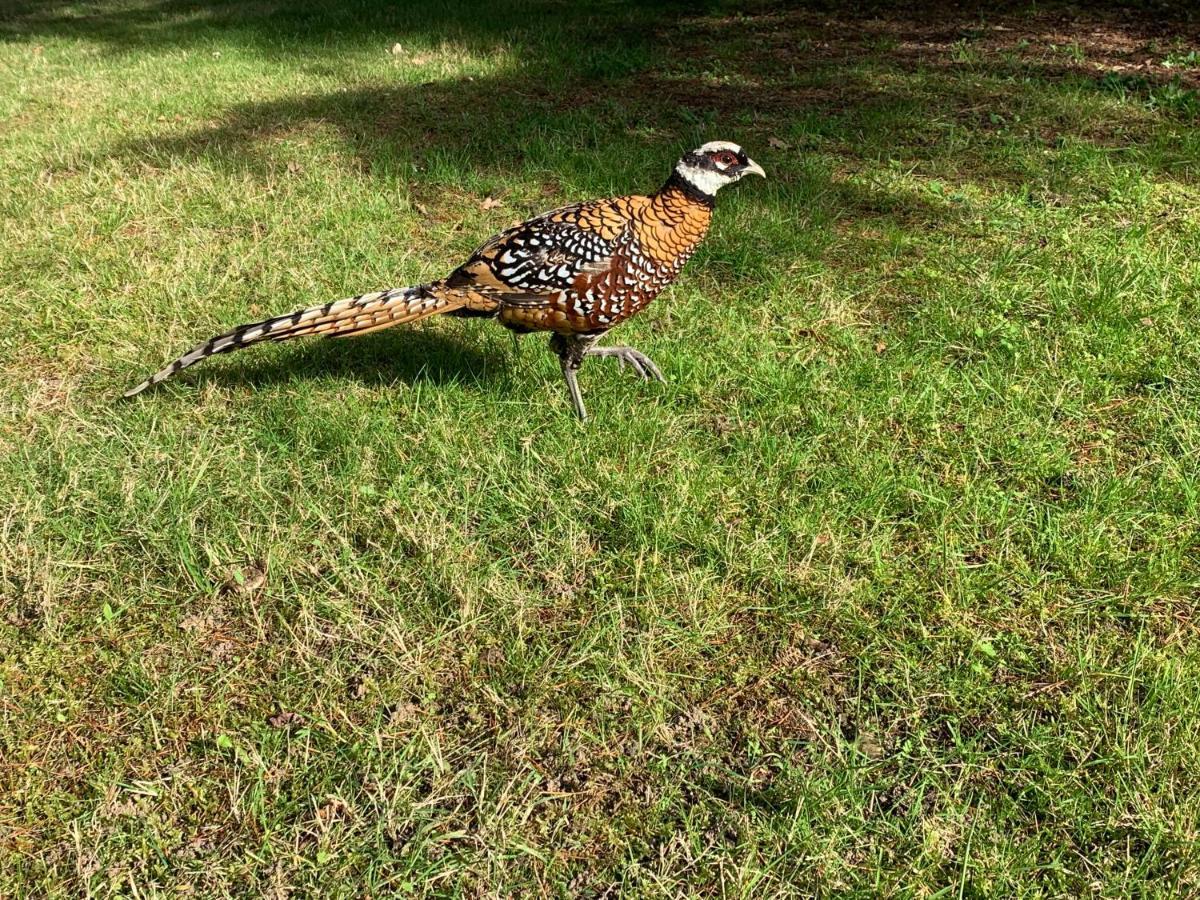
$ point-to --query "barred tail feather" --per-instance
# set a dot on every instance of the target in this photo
(341, 318)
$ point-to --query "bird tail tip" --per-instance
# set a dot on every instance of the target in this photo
(354, 315)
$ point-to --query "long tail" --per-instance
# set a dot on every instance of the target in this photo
(341, 318)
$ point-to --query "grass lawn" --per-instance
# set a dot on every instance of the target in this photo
(892, 591)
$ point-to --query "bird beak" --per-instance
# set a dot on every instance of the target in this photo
(753, 168)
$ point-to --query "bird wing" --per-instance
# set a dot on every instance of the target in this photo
(567, 249)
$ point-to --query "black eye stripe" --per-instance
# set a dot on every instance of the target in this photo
(714, 160)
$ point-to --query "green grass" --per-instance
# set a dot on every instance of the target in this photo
(891, 591)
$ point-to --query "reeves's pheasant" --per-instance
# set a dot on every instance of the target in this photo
(575, 272)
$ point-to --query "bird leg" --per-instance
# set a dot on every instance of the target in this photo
(569, 371)
(642, 365)
(571, 350)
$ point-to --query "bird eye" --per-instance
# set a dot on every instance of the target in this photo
(726, 158)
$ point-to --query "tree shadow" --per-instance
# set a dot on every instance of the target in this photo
(316, 26)
(674, 80)
(592, 101)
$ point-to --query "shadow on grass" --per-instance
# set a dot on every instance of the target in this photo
(603, 99)
(397, 356)
(319, 26)
(638, 84)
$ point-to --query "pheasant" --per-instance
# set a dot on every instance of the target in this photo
(575, 272)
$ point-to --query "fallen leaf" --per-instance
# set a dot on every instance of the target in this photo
(247, 581)
(491, 203)
(255, 579)
(284, 718)
(294, 167)
(333, 809)
(356, 687)
(869, 746)
(1147, 321)
(776, 144)
(403, 713)
(880, 346)
(196, 622)
(396, 50)
(422, 209)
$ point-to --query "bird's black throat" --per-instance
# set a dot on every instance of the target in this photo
(681, 184)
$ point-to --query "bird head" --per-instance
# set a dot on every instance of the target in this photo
(711, 166)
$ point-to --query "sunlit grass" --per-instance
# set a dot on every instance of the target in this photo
(890, 590)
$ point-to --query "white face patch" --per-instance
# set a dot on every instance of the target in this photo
(705, 180)
(708, 180)
(704, 171)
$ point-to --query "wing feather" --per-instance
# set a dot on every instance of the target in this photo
(534, 263)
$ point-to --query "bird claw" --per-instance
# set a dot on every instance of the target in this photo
(642, 365)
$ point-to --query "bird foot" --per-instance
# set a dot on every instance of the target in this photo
(642, 365)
